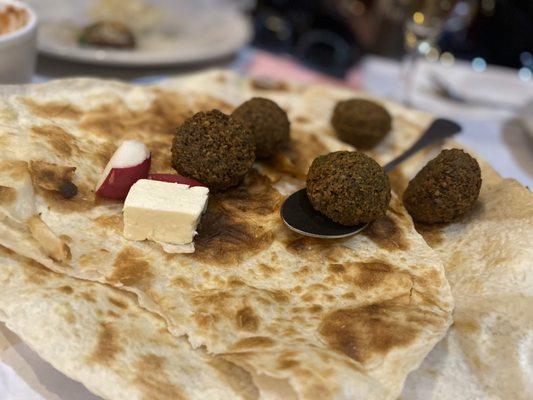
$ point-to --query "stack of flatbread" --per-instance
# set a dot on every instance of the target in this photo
(257, 311)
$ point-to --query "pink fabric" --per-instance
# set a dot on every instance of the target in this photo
(267, 65)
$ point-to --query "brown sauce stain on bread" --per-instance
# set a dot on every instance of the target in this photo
(247, 320)
(181, 282)
(47, 179)
(302, 119)
(287, 363)
(113, 223)
(299, 155)
(116, 120)
(65, 289)
(107, 346)
(311, 248)
(228, 233)
(337, 268)
(254, 341)
(204, 320)
(7, 195)
(373, 274)
(255, 195)
(216, 298)
(240, 380)
(5, 140)
(235, 282)
(49, 176)
(88, 297)
(37, 274)
(52, 109)
(362, 333)
(266, 270)
(315, 309)
(466, 325)
(398, 181)
(153, 381)
(386, 234)
(432, 233)
(131, 269)
(63, 143)
(117, 303)
(279, 296)
(15, 169)
(69, 317)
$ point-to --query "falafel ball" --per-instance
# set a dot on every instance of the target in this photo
(361, 123)
(348, 187)
(446, 188)
(268, 122)
(214, 149)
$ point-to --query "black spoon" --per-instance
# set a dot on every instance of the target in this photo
(300, 216)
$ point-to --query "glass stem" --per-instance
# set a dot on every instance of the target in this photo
(409, 73)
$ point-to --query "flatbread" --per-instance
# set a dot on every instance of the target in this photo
(488, 255)
(307, 318)
(102, 338)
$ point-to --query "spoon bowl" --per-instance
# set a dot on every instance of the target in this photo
(300, 216)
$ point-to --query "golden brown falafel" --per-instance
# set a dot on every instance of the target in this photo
(361, 123)
(268, 122)
(214, 149)
(348, 187)
(446, 188)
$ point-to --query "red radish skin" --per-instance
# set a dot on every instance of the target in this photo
(175, 179)
(118, 182)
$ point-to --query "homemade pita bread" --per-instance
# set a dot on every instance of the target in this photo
(102, 338)
(488, 256)
(306, 318)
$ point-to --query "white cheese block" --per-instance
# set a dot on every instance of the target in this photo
(163, 211)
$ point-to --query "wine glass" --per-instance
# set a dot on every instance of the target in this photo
(424, 22)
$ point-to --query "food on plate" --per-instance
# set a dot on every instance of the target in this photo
(269, 124)
(175, 179)
(163, 211)
(107, 34)
(12, 18)
(361, 123)
(446, 188)
(213, 148)
(289, 316)
(130, 162)
(348, 187)
(138, 15)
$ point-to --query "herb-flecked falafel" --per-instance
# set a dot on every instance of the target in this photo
(268, 122)
(361, 123)
(348, 187)
(446, 188)
(214, 149)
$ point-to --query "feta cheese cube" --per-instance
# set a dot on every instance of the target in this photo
(163, 211)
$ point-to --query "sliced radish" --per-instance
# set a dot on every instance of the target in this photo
(175, 179)
(130, 162)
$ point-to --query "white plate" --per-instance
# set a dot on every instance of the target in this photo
(192, 32)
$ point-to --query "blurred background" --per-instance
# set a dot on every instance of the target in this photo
(320, 31)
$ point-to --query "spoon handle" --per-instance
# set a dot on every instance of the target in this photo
(440, 129)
